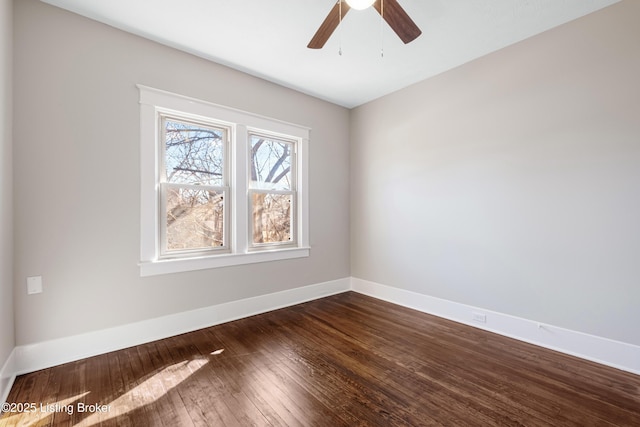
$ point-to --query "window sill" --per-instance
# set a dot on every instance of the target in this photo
(167, 266)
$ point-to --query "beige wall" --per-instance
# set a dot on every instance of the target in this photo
(512, 183)
(6, 185)
(77, 177)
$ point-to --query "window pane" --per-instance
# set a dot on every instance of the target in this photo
(271, 217)
(195, 218)
(270, 163)
(193, 153)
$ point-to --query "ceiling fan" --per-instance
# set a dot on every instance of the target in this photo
(390, 10)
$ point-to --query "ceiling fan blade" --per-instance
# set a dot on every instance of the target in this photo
(328, 26)
(398, 20)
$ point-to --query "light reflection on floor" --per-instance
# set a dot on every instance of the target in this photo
(147, 392)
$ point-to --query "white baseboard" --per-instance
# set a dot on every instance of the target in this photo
(32, 357)
(608, 352)
(7, 376)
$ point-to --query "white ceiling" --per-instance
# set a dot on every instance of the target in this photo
(268, 38)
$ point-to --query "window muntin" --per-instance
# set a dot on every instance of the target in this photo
(193, 186)
(272, 191)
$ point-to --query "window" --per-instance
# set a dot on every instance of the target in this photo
(219, 186)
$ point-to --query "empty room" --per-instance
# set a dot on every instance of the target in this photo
(320, 213)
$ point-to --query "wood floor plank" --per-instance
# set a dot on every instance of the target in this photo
(344, 360)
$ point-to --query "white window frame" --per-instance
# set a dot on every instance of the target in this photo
(153, 104)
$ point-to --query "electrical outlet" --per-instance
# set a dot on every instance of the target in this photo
(34, 285)
(479, 317)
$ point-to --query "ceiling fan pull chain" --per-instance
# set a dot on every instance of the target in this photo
(340, 28)
(381, 29)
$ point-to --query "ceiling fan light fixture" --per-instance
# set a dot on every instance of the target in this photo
(360, 4)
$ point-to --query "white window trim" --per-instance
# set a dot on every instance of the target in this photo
(155, 101)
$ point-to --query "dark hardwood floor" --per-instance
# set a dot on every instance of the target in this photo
(345, 360)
